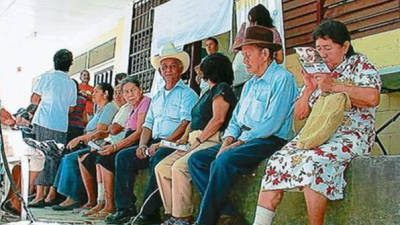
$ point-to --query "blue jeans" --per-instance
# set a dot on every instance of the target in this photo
(213, 177)
(68, 180)
(154, 204)
(127, 166)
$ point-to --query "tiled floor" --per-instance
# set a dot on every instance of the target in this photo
(47, 216)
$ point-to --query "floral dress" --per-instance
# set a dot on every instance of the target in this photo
(322, 168)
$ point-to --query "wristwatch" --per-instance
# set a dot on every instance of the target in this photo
(145, 150)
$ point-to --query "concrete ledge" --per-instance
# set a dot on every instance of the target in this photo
(372, 195)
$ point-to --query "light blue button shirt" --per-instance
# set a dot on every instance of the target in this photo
(265, 107)
(57, 93)
(169, 108)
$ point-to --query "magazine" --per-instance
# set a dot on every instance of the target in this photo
(94, 145)
(173, 145)
(311, 61)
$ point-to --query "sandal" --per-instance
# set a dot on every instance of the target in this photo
(83, 209)
(101, 215)
(88, 206)
(93, 210)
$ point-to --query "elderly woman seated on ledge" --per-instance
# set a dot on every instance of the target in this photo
(319, 171)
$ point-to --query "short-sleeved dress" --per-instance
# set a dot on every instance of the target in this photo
(322, 168)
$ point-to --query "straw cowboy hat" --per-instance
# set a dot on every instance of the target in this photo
(169, 51)
(260, 36)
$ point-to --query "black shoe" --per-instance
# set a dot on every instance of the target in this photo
(7, 207)
(121, 216)
(53, 202)
(67, 207)
(147, 220)
(39, 204)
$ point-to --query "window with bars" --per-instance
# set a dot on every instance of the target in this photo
(104, 76)
(141, 35)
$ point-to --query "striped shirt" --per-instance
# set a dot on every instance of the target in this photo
(75, 118)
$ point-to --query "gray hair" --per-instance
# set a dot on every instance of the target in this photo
(130, 79)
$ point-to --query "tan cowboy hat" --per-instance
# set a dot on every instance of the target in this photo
(169, 51)
(260, 36)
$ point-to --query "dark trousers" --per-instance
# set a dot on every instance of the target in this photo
(127, 166)
(74, 132)
(214, 177)
(154, 204)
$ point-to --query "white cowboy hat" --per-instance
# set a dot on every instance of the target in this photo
(169, 51)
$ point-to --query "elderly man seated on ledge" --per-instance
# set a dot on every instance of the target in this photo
(319, 171)
(167, 118)
(261, 124)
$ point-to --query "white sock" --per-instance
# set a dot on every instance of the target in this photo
(100, 192)
(263, 216)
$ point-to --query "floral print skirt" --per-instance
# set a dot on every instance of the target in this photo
(321, 169)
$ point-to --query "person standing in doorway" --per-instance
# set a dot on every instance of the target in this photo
(212, 47)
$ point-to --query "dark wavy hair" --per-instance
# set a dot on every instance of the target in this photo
(63, 60)
(260, 15)
(217, 68)
(107, 88)
(119, 77)
(336, 31)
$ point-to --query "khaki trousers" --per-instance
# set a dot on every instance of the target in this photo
(174, 181)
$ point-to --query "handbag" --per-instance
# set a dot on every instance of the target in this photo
(325, 117)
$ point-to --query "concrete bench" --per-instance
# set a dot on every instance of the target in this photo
(372, 195)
